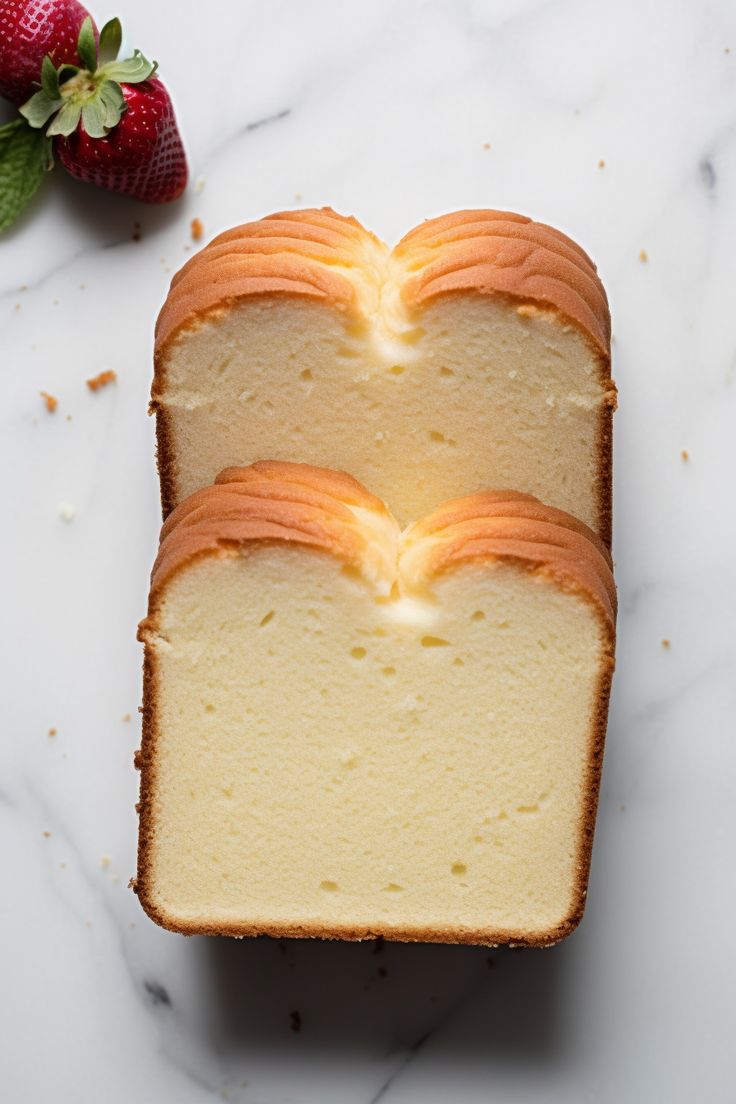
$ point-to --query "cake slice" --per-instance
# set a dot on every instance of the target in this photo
(475, 354)
(352, 732)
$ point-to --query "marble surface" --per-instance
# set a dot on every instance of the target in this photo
(616, 123)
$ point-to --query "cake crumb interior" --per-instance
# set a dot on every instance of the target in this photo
(467, 395)
(333, 757)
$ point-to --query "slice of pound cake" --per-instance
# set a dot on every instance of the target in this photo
(350, 731)
(475, 354)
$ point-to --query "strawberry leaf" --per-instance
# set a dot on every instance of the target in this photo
(25, 154)
(93, 118)
(49, 79)
(39, 108)
(111, 37)
(67, 120)
(113, 101)
(86, 45)
(132, 70)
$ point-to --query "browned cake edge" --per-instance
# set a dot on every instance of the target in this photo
(300, 253)
(297, 503)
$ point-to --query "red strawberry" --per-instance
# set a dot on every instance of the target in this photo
(29, 30)
(142, 156)
(112, 123)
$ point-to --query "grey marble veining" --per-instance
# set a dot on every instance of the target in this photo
(616, 123)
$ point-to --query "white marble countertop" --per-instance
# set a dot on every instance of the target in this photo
(615, 122)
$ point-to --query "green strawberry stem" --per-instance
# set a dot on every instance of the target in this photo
(93, 93)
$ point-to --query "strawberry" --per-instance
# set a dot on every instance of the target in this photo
(142, 156)
(29, 30)
(112, 121)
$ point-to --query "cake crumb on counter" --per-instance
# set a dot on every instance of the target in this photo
(197, 229)
(643, 256)
(65, 510)
(52, 732)
(666, 644)
(50, 401)
(105, 862)
(601, 164)
(685, 455)
(126, 718)
(102, 379)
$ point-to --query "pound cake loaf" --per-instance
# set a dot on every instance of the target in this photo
(353, 731)
(475, 354)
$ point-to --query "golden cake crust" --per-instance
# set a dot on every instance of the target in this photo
(314, 252)
(513, 527)
(498, 252)
(278, 502)
(273, 501)
(287, 253)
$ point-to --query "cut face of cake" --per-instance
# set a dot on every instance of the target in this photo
(351, 731)
(475, 354)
